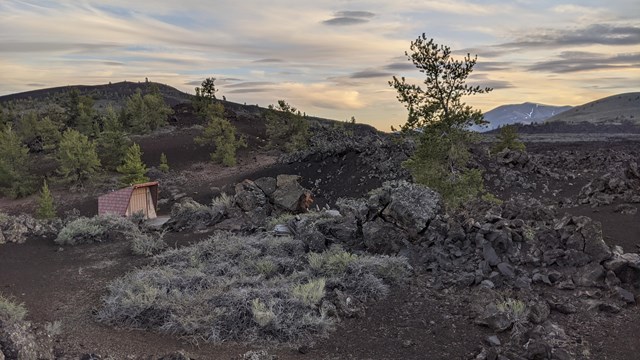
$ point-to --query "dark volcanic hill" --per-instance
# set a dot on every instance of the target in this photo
(525, 113)
(114, 93)
(613, 110)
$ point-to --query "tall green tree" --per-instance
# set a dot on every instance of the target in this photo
(220, 133)
(38, 133)
(287, 129)
(158, 111)
(146, 113)
(15, 179)
(112, 143)
(209, 88)
(132, 168)
(80, 114)
(46, 207)
(438, 115)
(77, 157)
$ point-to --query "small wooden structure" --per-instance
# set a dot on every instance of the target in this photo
(130, 200)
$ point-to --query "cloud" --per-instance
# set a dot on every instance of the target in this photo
(367, 74)
(341, 21)
(577, 61)
(342, 18)
(494, 84)
(248, 90)
(603, 34)
(356, 14)
(38, 46)
(400, 66)
(492, 65)
(269, 60)
(250, 84)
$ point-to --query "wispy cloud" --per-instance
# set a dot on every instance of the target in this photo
(349, 18)
(576, 61)
(330, 61)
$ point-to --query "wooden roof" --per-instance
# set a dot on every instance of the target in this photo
(117, 202)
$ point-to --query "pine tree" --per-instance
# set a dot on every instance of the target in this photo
(15, 180)
(508, 139)
(222, 134)
(46, 208)
(132, 167)
(164, 165)
(112, 143)
(442, 118)
(77, 157)
(145, 113)
(286, 127)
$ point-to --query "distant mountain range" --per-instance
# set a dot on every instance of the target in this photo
(612, 110)
(525, 113)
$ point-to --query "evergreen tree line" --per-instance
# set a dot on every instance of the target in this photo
(78, 139)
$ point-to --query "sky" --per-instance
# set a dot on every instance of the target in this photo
(327, 58)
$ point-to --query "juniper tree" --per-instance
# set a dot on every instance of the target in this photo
(132, 167)
(438, 115)
(46, 208)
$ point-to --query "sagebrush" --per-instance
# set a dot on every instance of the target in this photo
(243, 288)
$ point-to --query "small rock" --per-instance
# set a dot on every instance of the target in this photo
(487, 284)
(493, 340)
(563, 307)
(506, 270)
(611, 279)
(541, 278)
(566, 285)
(539, 312)
(609, 308)
(625, 295)
(407, 343)
(490, 254)
(590, 275)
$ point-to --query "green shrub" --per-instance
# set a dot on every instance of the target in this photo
(335, 261)
(310, 293)
(517, 312)
(287, 129)
(266, 267)
(261, 313)
(280, 219)
(508, 139)
(11, 311)
(99, 228)
(224, 200)
(164, 165)
(147, 244)
(46, 208)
